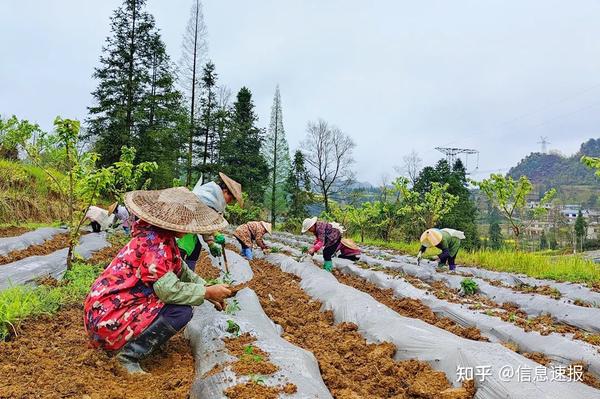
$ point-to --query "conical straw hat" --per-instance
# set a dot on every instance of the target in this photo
(267, 226)
(348, 243)
(431, 237)
(308, 223)
(175, 209)
(234, 187)
(112, 208)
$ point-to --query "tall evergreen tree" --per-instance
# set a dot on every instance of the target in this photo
(277, 155)
(241, 155)
(298, 187)
(208, 140)
(495, 236)
(580, 227)
(136, 103)
(195, 49)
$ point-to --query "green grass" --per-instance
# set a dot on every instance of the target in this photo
(548, 264)
(21, 302)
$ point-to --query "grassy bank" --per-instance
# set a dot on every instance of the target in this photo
(21, 302)
(27, 194)
(548, 265)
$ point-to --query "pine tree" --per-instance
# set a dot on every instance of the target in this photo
(298, 186)
(123, 76)
(208, 140)
(241, 155)
(195, 48)
(277, 155)
(136, 103)
(580, 227)
(495, 236)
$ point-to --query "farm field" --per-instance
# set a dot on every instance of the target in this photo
(341, 348)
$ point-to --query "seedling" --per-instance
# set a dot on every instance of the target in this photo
(214, 281)
(232, 307)
(258, 379)
(304, 249)
(275, 250)
(469, 286)
(233, 328)
(250, 356)
(227, 279)
(512, 317)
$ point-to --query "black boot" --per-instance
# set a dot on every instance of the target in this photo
(144, 344)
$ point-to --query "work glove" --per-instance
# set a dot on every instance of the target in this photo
(220, 239)
(328, 265)
(215, 249)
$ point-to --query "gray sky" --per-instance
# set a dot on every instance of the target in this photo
(394, 75)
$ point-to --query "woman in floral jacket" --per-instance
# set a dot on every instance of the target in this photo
(145, 295)
(328, 237)
(249, 233)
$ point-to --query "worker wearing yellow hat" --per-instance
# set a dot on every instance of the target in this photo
(448, 240)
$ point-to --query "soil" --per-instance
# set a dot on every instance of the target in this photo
(12, 231)
(253, 390)
(57, 242)
(409, 307)
(545, 290)
(351, 367)
(50, 358)
(255, 363)
(104, 256)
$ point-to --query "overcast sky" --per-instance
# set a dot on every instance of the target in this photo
(395, 75)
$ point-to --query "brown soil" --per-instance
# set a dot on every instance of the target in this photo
(351, 368)
(104, 256)
(256, 362)
(253, 390)
(13, 231)
(538, 358)
(529, 289)
(51, 359)
(588, 378)
(47, 247)
(409, 307)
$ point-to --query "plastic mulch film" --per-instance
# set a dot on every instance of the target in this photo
(29, 269)
(415, 339)
(208, 328)
(560, 349)
(36, 237)
(533, 304)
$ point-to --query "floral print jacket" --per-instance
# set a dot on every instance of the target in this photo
(122, 302)
(249, 232)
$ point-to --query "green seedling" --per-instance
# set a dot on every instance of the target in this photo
(250, 356)
(233, 328)
(275, 250)
(232, 307)
(227, 279)
(214, 281)
(489, 312)
(304, 249)
(258, 379)
(512, 317)
(469, 286)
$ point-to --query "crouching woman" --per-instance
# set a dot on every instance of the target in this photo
(252, 232)
(146, 294)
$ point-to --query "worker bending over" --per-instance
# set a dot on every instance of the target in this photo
(448, 240)
(252, 232)
(215, 195)
(328, 237)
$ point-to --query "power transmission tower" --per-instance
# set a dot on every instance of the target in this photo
(452, 153)
(544, 142)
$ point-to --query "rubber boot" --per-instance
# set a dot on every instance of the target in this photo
(144, 344)
(248, 253)
(328, 265)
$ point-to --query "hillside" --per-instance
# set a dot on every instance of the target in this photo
(554, 170)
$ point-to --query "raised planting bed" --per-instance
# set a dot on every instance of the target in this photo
(240, 352)
(415, 339)
(23, 241)
(12, 231)
(30, 269)
(57, 242)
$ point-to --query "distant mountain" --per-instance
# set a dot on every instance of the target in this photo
(555, 170)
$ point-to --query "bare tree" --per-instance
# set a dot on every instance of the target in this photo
(194, 52)
(328, 153)
(411, 166)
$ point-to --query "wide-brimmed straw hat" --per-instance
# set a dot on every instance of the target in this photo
(112, 207)
(234, 187)
(308, 223)
(267, 226)
(175, 209)
(348, 243)
(431, 237)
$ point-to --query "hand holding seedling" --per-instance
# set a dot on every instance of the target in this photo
(216, 295)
